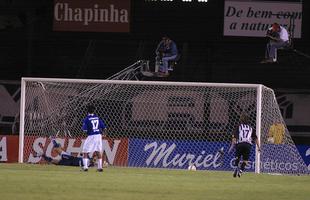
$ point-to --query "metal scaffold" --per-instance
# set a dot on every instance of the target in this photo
(136, 71)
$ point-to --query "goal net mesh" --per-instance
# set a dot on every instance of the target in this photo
(157, 124)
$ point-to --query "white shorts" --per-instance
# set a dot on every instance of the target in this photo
(92, 143)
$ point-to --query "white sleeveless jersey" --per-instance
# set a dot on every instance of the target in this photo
(245, 133)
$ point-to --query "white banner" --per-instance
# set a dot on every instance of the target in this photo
(253, 18)
(145, 107)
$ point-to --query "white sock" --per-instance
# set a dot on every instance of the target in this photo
(85, 162)
(100, 163)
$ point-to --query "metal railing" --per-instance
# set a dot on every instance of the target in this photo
(132, 72)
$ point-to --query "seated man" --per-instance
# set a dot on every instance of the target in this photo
(166, 50)
(279, 37)
(66, 158)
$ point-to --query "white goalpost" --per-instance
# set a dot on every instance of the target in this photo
(156, 124)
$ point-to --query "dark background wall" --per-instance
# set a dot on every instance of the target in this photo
(29, 46)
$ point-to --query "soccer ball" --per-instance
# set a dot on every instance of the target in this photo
(105, 164)
(191, 167)
(270, 140)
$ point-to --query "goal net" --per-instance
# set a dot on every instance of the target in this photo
(157, 124)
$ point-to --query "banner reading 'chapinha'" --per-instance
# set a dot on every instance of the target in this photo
(92, 15)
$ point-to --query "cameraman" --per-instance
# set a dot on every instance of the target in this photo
(166, 50)
(279, 37)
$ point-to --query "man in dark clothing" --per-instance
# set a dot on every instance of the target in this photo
(166, 50)
(242, 138)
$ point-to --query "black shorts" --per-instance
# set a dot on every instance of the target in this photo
(243, 149)
(70, 161)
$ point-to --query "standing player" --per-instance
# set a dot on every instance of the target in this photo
(242, 138)
(94, 128)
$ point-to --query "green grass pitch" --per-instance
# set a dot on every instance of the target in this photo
(34, 182)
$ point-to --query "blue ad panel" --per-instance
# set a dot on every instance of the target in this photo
(180, 154)
(304, 151)
(284, 158)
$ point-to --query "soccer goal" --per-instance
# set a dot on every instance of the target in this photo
(156, 124)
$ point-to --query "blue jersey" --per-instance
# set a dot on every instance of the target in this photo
(93, 125)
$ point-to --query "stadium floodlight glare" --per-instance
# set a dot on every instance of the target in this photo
(164, 124)
(204, 1)
(187, 0)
